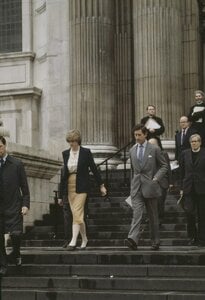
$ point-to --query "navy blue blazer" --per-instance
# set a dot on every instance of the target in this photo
(85, 164)
(186, 145)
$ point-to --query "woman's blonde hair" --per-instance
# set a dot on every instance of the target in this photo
(73, 135)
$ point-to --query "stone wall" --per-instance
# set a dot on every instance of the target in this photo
(43, 177)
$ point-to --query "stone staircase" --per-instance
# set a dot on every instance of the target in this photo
(108, 222)
(107, 269)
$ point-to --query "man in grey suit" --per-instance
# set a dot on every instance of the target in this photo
(148, 167)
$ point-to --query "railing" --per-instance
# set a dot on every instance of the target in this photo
(105, 162)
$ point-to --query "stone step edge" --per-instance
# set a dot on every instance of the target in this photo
(108, 292)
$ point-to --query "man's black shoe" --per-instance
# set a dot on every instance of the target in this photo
(192, 242)
(3, 271)
(155, 247)
(18, 261)
(15, 258)
(131, 244)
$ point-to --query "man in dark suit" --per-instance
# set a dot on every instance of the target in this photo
(153, 123)
(14, 203)
(182, 137)
(182, 143)
(193, 185)
(149, 167)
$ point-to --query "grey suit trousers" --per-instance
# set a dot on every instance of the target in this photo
(151, 204)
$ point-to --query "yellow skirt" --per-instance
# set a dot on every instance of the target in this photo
(76, 201)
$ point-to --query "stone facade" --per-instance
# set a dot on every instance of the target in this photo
(96, 65)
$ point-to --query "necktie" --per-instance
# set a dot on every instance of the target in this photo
(183, 136)
(140, 154)
(2, 162)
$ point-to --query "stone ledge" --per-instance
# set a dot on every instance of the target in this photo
(38, 163)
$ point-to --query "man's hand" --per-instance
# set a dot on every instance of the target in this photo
(60, 202)
(152, 130)
(103, 190)
(24, 210)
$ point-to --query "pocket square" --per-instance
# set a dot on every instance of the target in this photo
(149, 155)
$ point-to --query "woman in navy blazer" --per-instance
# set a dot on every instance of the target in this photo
(75, 183)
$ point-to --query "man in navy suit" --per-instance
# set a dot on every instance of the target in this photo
(182, 143)
(182, 137)
(14, 204)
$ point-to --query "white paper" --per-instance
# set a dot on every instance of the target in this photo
(174, 165)
(152, 124)
(198, 109)
(128, 201)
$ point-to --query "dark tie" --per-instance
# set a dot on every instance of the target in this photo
(183, 136)
(140, 153)
(1, 162)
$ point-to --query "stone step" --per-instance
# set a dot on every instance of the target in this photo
(117, 215)
(172, 273)
(101, 228)
(172, 218)
(107, 270)
(167, 256)
(103, 283)
(126, 220)
(127, 210)
(49, 293)
(109, 234)
(103, 242)
(170, 199)
(163, 227)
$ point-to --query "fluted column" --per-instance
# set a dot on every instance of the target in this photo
(192, 62)
(124, 72)
(158, 59)
(91, 86)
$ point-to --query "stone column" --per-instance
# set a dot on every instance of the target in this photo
(124, 72)
(158, 60)
(92, 82)
(192, 60)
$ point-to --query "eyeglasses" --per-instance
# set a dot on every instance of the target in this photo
(194, 141)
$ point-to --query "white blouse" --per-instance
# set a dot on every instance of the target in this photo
(73, 161)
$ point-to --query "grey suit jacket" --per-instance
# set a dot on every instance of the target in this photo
(153, 165)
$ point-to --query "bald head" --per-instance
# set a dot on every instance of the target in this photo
(184, 122)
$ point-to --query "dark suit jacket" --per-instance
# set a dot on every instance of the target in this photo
(14, 193)
(193, 174)
(85, 164)
(157, 132)
(186, 145)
